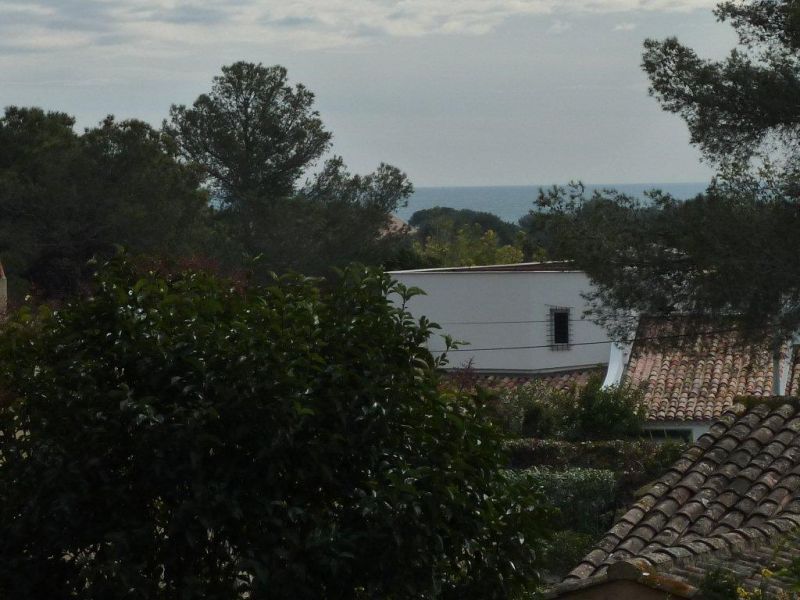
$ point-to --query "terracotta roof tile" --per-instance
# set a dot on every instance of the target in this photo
(560, 380)
(697, 369)
(716, 500)
(793, 385)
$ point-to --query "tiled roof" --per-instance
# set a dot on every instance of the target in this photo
(793, 384)
(737, 487)
(693, 370)
(747, 562)
(682, 577)
(560, 380)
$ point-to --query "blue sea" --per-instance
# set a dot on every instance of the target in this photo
(512, 202)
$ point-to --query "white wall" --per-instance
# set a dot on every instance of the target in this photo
(487, 297)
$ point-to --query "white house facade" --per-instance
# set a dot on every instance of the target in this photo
(522, 318)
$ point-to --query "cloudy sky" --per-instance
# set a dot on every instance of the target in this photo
(455, 92)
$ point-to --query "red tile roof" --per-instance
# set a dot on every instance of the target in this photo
(560, 380)
(737, 487)
(793, 384)
(692, 370)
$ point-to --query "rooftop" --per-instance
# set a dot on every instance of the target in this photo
(563, 380)
(728, 498)
(692, 370)
(529, 267)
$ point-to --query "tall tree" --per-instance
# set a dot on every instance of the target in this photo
(735, 106)
(254, 134)
(257, 138)
(731, 250)
(65, 198)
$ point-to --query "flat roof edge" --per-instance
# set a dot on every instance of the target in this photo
(555, 266)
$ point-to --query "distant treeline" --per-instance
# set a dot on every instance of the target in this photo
(225, 183)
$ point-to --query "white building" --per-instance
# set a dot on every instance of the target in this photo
(525, 321)
(519, 318)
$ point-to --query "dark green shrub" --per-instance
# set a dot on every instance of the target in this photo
(565, 550)
(585, 498)
(592, 412)
(182, 437)
(649, 458)
(530, 410)
(539, 420)
(604, 413)
(634, 463)
(719, 584)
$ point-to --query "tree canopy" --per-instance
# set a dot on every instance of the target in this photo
(257, 139)
(188, 436)
(731, 249)
(735, 106)
(446, 237)
(441, 220)
(253, 133)
(242, 178)
(65, 197)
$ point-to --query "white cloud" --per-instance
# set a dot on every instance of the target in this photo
(301, 23)
(625, 26)
(558, 27)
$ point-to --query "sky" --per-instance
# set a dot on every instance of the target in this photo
(454, 92)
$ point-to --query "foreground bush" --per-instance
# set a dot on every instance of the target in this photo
(177, 437)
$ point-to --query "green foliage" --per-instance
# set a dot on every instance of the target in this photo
(253, 133)
(790, 572)
(441, 221)
(467, 245)
(584, 497)
(647, 457)
(635, 463)
(603, 413)
(447, 237)
(719, 584)
(727, 251)
(734, 105)
(583, 502)
(713, 255)
(532, 410)
(591, 412)
(65, 198)
(644, 456)
(181, 436)
(566, 549)
(255, 137)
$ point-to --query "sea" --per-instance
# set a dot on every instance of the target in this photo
(512, 202)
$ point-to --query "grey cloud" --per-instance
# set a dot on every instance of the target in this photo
(194, 15)
(292, 22)
(333, 22)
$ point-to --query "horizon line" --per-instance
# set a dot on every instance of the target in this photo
(539, 185)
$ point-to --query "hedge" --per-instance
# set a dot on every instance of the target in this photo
(633, 462)
(584, 498)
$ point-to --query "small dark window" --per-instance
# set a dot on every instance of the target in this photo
(559, 328)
